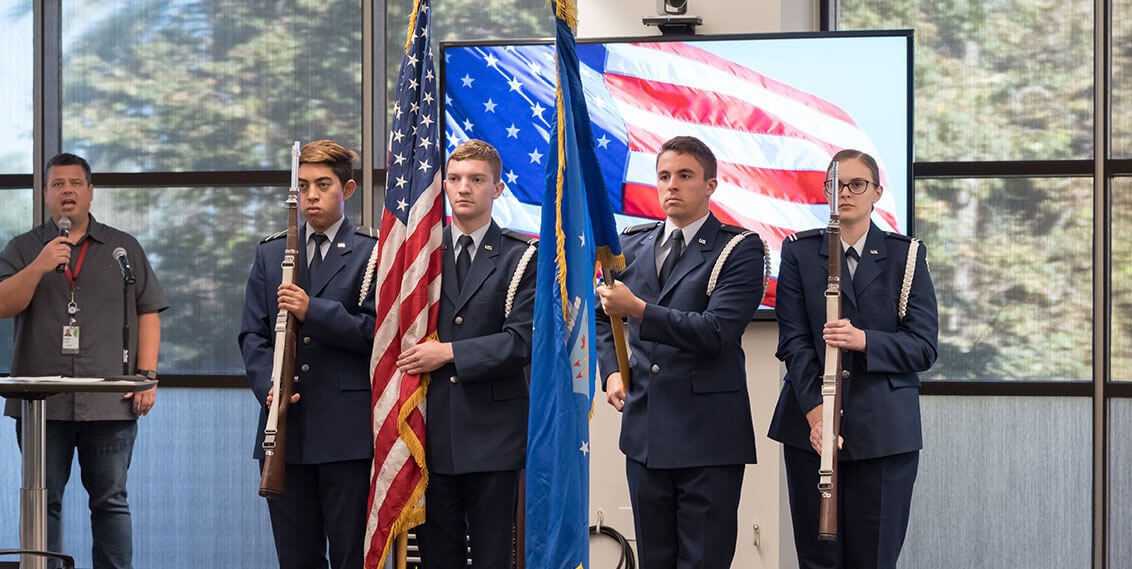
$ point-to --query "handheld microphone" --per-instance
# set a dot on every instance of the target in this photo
(64, 231)
(124, 266)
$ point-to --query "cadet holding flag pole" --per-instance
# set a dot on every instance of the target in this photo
(477, 407)
(690, 287)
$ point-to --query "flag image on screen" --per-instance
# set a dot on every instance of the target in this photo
(773, 108)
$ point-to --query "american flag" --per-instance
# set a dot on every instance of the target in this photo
(408, 289)
(773, 141)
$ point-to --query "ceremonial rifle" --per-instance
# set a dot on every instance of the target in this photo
(831, 379)
(283, 362)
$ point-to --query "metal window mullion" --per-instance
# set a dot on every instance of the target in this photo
(1102, 273)
(373, 108)
(47, 94)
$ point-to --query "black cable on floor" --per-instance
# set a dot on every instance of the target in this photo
(628, 560)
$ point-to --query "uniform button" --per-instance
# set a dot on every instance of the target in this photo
(305, 368)
(454, 379)
(655, 368)
(459, 320)
(307, 340)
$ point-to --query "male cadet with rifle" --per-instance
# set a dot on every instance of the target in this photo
(329, 443)
(65, 276)
(690, 286)
(478, 397)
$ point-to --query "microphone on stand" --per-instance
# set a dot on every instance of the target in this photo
(127, 280)
(64, 231)
(124, 266)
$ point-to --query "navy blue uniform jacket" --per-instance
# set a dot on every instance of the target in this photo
(331, 421)
(881, 399)
(477, 405)
(688, 404)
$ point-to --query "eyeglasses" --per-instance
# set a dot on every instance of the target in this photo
(856, 186)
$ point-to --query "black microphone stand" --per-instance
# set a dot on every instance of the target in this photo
(125, 326)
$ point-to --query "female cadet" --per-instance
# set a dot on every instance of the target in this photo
(888, 333)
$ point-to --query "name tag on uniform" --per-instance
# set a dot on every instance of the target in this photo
(71, 340)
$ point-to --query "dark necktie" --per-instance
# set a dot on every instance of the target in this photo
(316, 259)
(675, 251)
(464, 259)
(851, 253)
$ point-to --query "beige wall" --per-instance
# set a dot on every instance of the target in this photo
(763, 501)
(602, 18)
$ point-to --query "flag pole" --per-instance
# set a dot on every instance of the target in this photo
(402, 550)
(620, 342)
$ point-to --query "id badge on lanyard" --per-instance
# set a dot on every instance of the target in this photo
(70, 341)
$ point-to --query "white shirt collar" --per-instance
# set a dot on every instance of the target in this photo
(330, 233)
(477, 238)
(859, 245)
(689, 230)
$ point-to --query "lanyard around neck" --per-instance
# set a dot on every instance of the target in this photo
(72, 277)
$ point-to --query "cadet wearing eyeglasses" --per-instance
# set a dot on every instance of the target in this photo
(888, 332)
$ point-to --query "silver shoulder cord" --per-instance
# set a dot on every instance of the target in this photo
(719, 262)
(517, 277)
(909, 274)
(367, 279)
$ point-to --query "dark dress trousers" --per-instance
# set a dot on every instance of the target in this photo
(880, 398)
(686, 426)
(477, 405)
(330, 436)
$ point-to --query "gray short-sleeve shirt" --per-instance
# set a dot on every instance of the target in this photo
(98, 294)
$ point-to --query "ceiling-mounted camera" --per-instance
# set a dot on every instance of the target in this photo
(672, 18)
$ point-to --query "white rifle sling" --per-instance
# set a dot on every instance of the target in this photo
(828, 395)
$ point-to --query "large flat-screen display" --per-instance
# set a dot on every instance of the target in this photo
(773, 107)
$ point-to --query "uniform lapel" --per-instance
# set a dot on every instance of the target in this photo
(644, 255)
(693, 257)
(869, 266)
(482, 265)
(448, 268)
(335, 259)
(304, 261)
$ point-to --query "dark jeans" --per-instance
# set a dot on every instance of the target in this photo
(104, 449)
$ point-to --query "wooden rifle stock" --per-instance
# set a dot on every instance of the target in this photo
(831, 378)
(283, 363)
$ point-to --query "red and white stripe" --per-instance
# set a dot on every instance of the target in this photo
(408, 291)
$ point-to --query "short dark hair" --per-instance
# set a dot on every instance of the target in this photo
(67, 159)
(330, 153)
(864, 157)
(693, 147)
